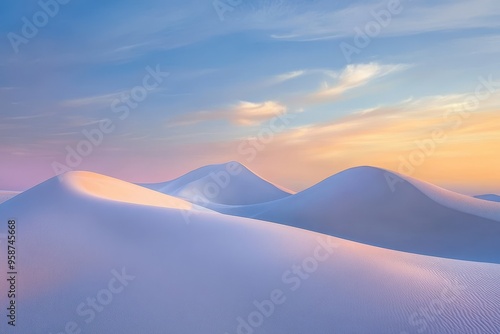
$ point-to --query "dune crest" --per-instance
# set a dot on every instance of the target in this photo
(109, 188)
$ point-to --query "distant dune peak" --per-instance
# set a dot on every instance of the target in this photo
(360, 181)
(230, 183)
(369, 180)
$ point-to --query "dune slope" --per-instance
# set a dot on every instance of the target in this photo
(376, 207)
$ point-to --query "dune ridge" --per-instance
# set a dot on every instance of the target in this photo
(109, 188)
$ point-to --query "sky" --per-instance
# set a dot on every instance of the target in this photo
(296, 90)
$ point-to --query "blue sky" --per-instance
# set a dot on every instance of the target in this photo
(229, 77)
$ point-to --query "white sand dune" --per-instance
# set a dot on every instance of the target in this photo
(359, 204)
(212, 274)
(457, 201)
(230, 183)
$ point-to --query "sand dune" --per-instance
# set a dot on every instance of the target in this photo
(147, 271)
(359, 204)
(230, 184)
(457, 201)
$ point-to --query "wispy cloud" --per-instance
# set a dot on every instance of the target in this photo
(280, 78)
(399, 126)
(248, 113)
(242, 113)
(96, 100)
(353, 76)
(446, 15)
(478, 44)
(332, 22)
(416, 17)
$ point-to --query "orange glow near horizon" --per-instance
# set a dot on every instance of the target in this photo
(459, 154)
